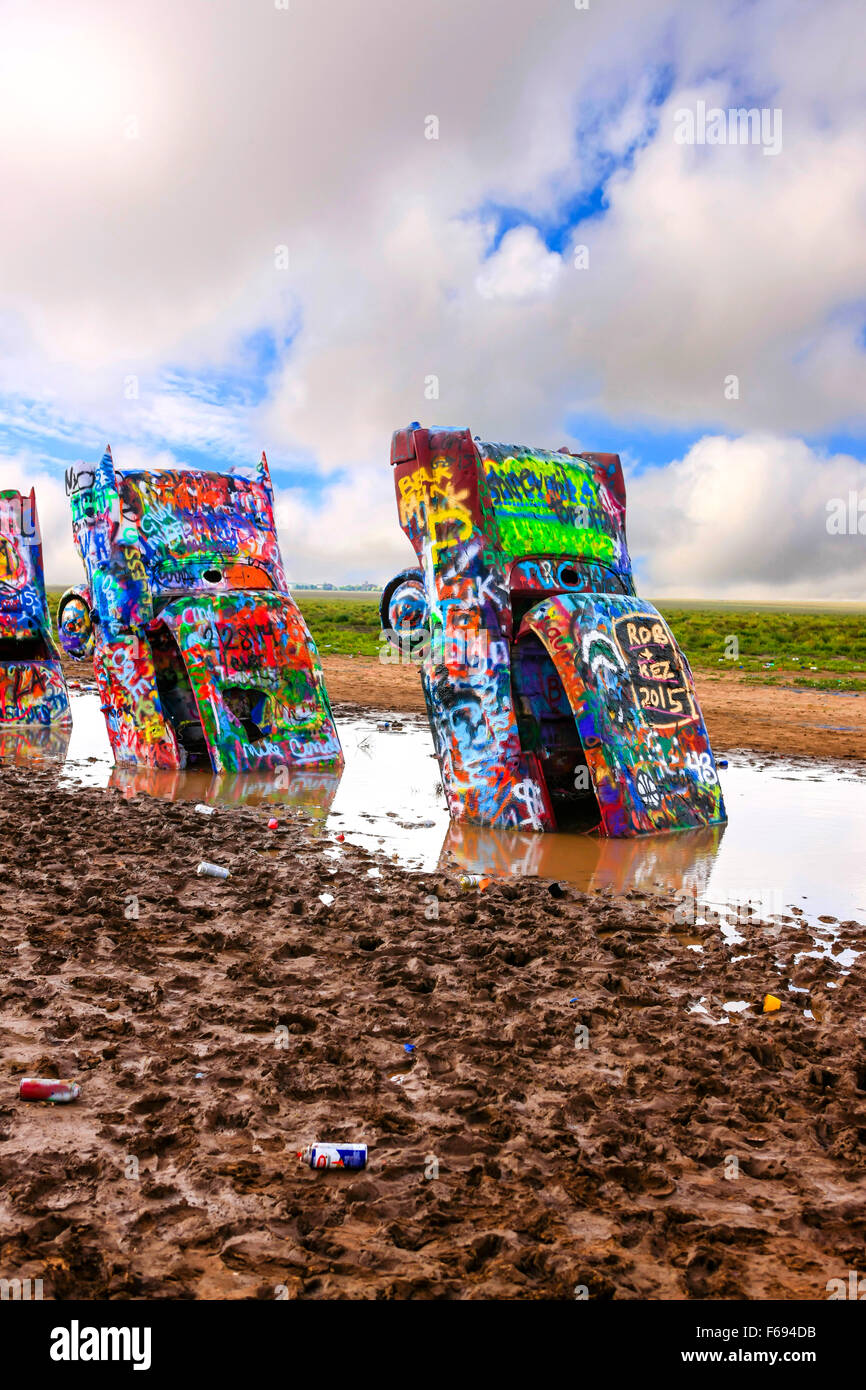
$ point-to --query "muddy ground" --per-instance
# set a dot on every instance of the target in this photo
(738, 714)
(658, 1154)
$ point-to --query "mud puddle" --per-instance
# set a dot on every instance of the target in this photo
(792, 847)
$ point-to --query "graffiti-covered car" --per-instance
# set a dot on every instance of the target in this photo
(202, 657)
(33, 690)
(556, 697)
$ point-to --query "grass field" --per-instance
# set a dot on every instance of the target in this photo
(348, 627)
(774, 646)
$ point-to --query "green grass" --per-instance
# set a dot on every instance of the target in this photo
(834, 643)
(793, 642)
(843, 683)
(343, 627)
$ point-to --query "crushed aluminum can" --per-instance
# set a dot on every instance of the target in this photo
(206, 870)
(47, 1088)
(205, 810)
(334, 1156)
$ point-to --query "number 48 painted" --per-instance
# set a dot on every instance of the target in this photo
(701, 764)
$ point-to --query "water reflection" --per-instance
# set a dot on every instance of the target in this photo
(35, 743)
(794, 839)
(683, 859)
(312, 791)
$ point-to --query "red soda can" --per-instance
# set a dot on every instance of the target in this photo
(47, 1088)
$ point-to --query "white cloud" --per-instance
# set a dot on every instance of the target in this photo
(353, 536)
(747, 519)
(256, 128)
(522, 268)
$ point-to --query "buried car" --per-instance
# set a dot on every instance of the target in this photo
(556, 697)
(33, 694)
(202, 657)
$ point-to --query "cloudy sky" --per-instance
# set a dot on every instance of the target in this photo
(226, 227)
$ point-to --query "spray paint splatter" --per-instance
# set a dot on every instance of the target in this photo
(554, 694)
(202, 657)
(33, 691)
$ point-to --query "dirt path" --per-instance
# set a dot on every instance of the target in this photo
(764, 718)
(564, 1123)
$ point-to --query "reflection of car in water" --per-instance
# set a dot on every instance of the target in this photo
(201, 655)
(682, 863)
(32, 687)
(35, 743)
(311, 790)
(523, 619)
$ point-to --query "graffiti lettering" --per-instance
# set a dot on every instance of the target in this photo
(232, 677)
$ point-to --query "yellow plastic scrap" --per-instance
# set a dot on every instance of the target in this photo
(771, 1004)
